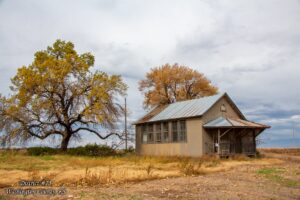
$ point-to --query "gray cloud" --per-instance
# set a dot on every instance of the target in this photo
(249, 49)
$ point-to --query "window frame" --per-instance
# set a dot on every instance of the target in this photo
(182, 131)
(165, 132)
(158, 138)
(174, 133)
(150, 134)
(144, 134)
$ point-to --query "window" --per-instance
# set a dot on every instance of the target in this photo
(182, 131)
(158, 132)
(165, 131)
(144, 133)
(150, 133)
(174, 132)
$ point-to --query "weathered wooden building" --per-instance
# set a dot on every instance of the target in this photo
(208, 125)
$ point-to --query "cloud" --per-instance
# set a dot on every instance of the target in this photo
(249, 49)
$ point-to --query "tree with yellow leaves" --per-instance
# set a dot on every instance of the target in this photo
(58, 94)
(170, 83)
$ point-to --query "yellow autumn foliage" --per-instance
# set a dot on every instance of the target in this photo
(170, 83)
(59, 94)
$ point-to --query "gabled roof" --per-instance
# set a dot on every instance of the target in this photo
(151, 114)
(185, 109)
(226, 122)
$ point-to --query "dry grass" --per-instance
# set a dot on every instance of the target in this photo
(189, 169)
(101, 171)
(290, 151)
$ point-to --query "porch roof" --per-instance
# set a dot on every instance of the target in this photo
(226, 122)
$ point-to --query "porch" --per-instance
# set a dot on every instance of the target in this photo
(233, 136)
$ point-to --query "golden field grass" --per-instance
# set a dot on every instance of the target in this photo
(65, 170)
(289, 151)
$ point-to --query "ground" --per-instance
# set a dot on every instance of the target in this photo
(276, 176)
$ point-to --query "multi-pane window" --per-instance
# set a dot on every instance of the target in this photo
(158, 132)
(150, 133)
(182, 131)
(174, 131)
(144, 134)
(165, 131)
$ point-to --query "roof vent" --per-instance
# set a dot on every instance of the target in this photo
(223, 108)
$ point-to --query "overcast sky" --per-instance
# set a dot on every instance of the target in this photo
(249, 49)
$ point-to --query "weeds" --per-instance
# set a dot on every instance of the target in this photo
(187, 168)
(275, 175)
(240, 157)
(33, 174)
(270, 171)
(97, 171)
(36, 175)
(149, 169)
(92, 178)
(3, 197)
(110, 175)
(213, 163)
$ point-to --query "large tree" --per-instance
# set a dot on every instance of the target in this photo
(170, 83)
(58, 94)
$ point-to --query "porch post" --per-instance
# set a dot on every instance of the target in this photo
(254, 141)
(219, 138)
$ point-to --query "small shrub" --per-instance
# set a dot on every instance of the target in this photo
(129, 150)
(92, 150)
(88, 150)
(40, 151)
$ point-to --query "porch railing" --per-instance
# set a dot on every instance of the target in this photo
(229, 148)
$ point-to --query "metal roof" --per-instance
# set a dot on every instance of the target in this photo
(190, 108)
(226, 122)
(151, 114)
(182, 109)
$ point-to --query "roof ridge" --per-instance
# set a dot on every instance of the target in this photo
(199, 98)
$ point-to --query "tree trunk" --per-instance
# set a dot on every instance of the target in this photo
(65, 142)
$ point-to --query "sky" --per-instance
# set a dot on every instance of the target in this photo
(249, 49)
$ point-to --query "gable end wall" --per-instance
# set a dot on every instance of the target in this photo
(212, 114)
